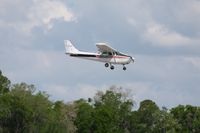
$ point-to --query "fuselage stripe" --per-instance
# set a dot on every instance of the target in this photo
(82, 55)
(98, 56)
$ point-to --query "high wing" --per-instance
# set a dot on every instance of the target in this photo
(103, 47)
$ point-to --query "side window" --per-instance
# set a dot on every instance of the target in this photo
(106, 54)
(109, 53)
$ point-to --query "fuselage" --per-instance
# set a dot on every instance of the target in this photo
(109, 58)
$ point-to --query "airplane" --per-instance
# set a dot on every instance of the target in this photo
(106, 54)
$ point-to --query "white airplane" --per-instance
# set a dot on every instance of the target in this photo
(106, 54)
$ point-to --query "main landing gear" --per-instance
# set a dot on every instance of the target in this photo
(112, 67)
(106, 65)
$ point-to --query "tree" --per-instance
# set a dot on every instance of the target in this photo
(25, 111)
(188, 117)
(109, 112)
(84, 119)
(4, 84)
(164, 122)
(150, 119)
(146, 116)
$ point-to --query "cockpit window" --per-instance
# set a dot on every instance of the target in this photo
(118, 53)
(106, 54)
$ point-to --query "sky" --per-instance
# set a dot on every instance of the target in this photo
(162, 35)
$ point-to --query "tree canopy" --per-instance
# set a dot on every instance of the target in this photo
(24, 109)
(4, 84)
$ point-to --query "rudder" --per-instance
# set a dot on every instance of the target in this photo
(70, 49)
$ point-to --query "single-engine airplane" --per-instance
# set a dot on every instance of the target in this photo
(106, 54)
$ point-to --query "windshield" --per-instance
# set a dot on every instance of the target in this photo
(118, 53)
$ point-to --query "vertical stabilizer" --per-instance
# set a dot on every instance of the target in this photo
(70, 49)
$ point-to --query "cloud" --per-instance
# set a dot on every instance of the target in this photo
(190, 10)
(195, 61)
(45, 11)
(167, 23)
(67, 93)
(137, 91)
(160, 35)
(36, 13)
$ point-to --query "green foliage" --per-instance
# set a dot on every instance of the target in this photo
(4, 84)
(84, 119)
(25, 110)
(150, 119)
(189, 118)
(108, 113)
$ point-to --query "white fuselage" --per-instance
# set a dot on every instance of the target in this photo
(106, 54)
(112, 59)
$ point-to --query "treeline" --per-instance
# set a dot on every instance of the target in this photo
(25, 110)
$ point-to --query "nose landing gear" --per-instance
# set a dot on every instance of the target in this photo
(124, 68)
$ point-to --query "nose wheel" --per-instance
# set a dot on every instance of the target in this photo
(124, 68)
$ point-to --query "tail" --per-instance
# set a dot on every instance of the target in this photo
(70, 49)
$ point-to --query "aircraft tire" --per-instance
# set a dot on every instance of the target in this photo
(112, 67)
(124, 68)
(106, 65)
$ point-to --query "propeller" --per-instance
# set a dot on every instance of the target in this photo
(133, 59)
